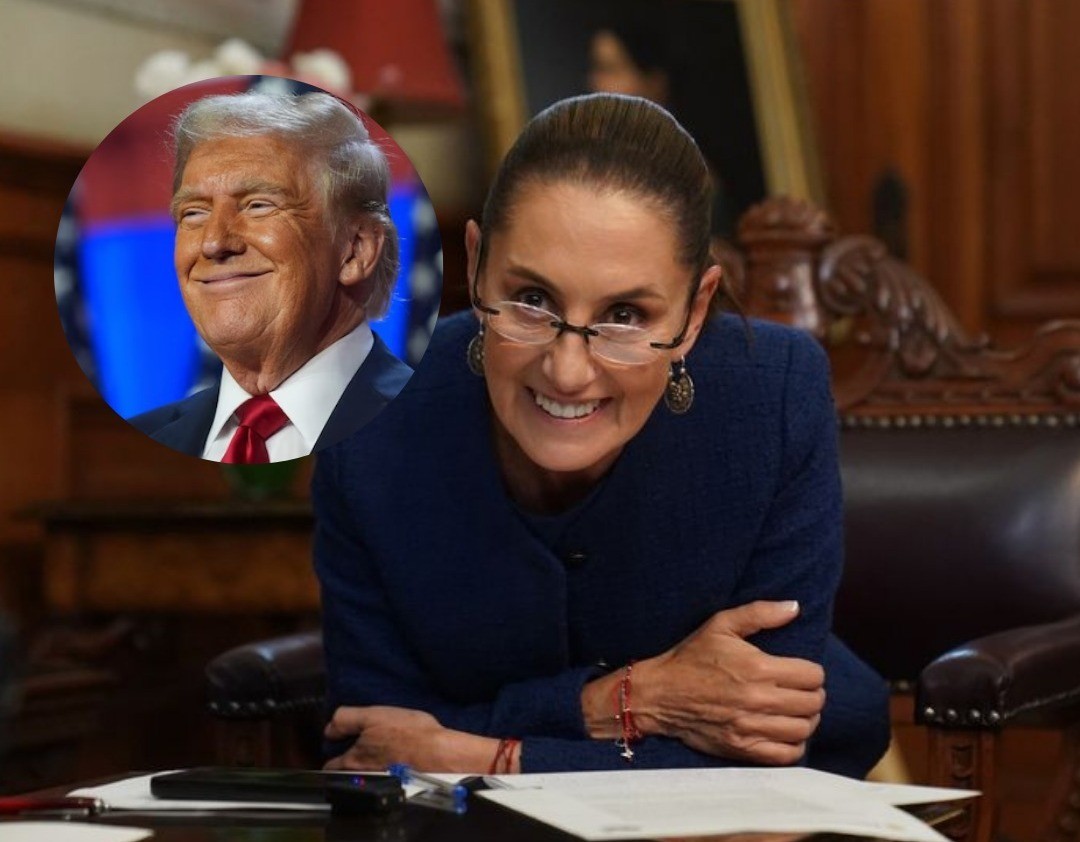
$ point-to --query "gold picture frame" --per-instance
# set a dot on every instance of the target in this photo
(788, 155)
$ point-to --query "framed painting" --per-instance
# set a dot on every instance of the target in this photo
(727, 69)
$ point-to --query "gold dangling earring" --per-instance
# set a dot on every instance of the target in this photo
(474, 354)
(679, 392)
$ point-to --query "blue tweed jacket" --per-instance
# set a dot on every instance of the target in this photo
(438, 596)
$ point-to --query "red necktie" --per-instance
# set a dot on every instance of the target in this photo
(260, 417)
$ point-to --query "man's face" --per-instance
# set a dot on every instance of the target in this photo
(256, 254)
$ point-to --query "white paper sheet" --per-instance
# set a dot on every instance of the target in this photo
(902, 794)
(642, 804)
(48, 831)
(805, 781)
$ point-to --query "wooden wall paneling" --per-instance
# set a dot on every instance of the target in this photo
(954, 214)
(34, 354)
(904, 86)
(34, 174)
(871, 70)
(1054, 99)
(896, 88)
(35, 178)
(973, 104)
(1035, 176)
(1008, 223)
(831, 39)
(30, 465)
(108, 459)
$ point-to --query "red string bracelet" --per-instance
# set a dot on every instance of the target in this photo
(504, 757)
(511, 747)
(629, 732)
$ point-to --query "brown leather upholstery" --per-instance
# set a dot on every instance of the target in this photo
(282, 675)
(971, 530)
(1028, 672)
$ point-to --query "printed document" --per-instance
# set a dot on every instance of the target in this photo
(648, 804)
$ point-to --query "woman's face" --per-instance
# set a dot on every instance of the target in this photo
(590, 256)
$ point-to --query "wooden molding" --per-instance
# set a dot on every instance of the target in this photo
(896, 347)
(965, 759)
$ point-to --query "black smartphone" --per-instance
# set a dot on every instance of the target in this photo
(344, 791)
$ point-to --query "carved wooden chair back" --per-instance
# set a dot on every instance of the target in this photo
(961, 467)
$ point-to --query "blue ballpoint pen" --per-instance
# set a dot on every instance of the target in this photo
(406, 775)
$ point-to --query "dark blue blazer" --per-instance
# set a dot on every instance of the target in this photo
(185, 424)
(438, 595)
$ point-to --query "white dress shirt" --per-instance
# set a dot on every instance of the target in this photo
(307, 396)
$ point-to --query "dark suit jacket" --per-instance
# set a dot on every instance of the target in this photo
(184, 425)
(438, 595)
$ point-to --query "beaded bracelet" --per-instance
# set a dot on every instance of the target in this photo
(629, 732)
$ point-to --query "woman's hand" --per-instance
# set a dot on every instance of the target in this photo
(721, 695)
(386, 735)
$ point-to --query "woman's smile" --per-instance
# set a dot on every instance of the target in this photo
(567, 410)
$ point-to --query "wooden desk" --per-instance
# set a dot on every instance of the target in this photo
(482, 821)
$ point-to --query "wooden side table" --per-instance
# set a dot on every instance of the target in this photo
(192, 558)
(148, 593)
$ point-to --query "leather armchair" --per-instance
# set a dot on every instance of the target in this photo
(961, 469)
(267, 699)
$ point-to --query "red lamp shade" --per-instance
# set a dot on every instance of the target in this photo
(397, 50)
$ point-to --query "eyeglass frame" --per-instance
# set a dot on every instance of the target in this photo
(584, 331)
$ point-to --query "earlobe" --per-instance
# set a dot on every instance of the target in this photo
(364, 250)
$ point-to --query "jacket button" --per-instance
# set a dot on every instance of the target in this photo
(575, 559)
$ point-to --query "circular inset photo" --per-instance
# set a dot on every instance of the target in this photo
(248, 269)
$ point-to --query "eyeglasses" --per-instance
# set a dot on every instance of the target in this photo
(625, 344)
(617, 343)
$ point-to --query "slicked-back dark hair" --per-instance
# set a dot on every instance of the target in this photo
(614, 142)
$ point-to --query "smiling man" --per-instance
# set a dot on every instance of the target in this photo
(284, 251)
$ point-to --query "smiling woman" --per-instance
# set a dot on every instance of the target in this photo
(626, 528)
(564, 408)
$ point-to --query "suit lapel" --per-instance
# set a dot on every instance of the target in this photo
(187, 432)
(377, 382)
